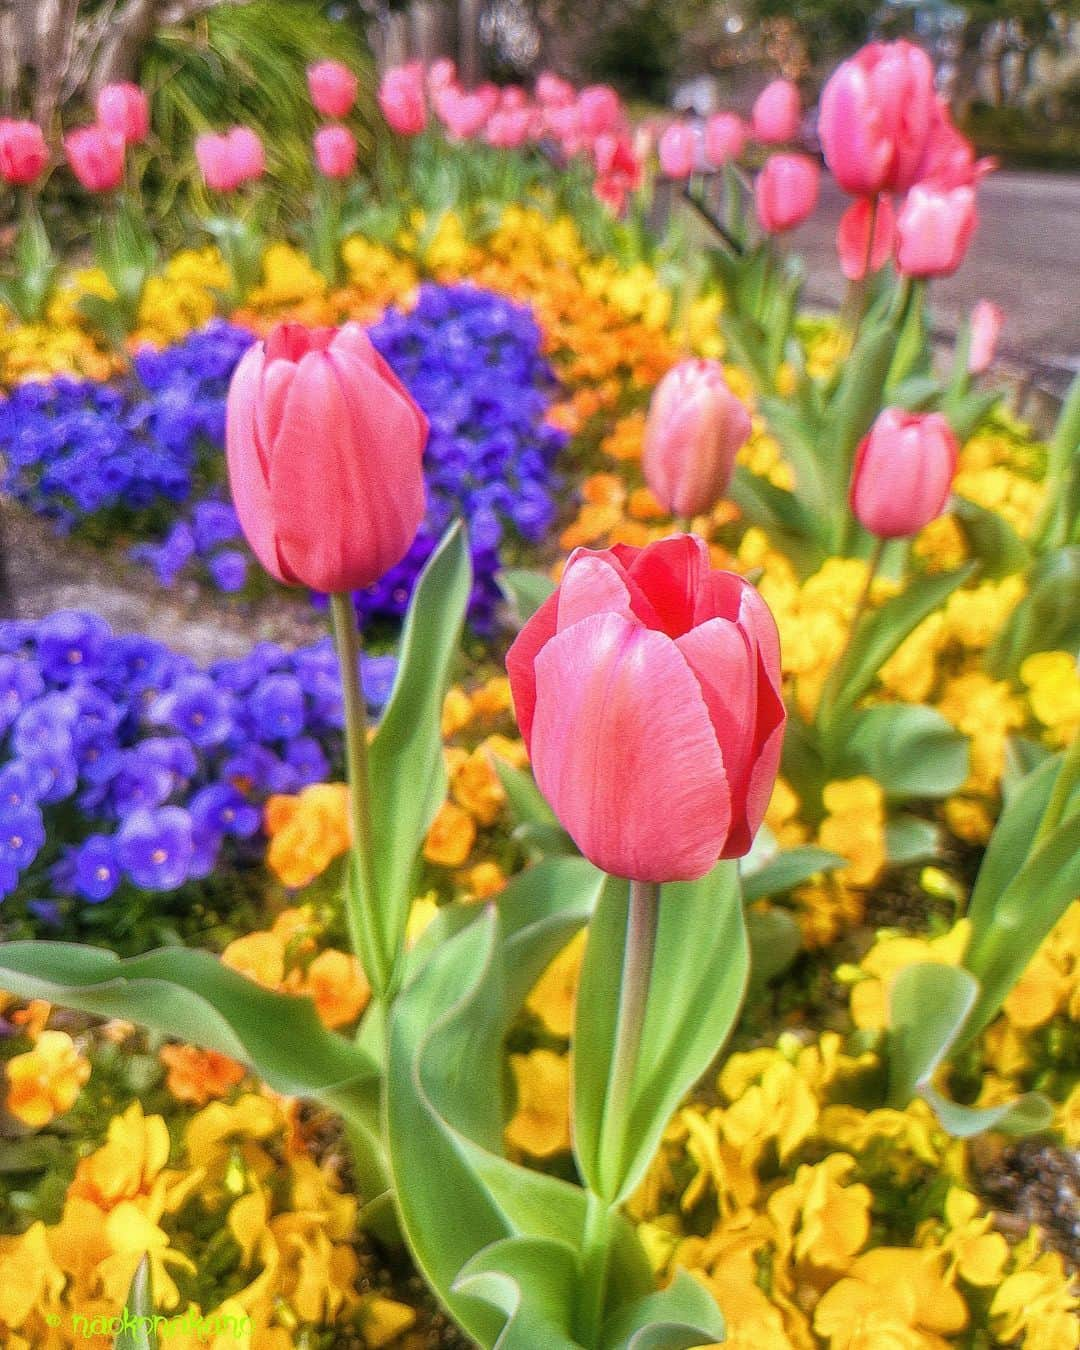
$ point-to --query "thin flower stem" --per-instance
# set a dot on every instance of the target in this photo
(361, 903)
(1068, 776)
(832, 684)
(860, 291)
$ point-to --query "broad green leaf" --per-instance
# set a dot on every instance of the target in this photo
(803, 450)
(789, 869)
(803, 765)
(908, 839)
(775, 941)
(912, 350)
(698, 979)
(533, 1283)
(527, 802)
(782, 516)
(137, 1318)
(967, 412)
(405, 759)
(1047, 618)
(991, 539)
(927, 1007)
(189, 994)
(1027, 1114)
(911, 750)
(679, 1317)
(1009, 844)
(1022, 756)
(525, 591)
(858, 399)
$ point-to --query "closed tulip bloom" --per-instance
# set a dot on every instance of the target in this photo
(125, 109)
(786, 192)
(335, 151)
(324, 447)
(509, 128)
(776, 113)
(987, 320)
(96, 156)
(553, 91)
(695, 429)
(599, 110)
(933, 230)
(647, 689)
(677, 150)
(401, 98)
(23, 152)
(248, 155)
(441, 74)
(725, 138)
(333, 88)
(853, 244)
(464, 115)
(948, 160)
(903, 472)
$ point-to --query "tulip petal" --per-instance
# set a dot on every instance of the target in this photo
(520, 659)
(248, 480)
(592, 584)
(670, 573)
(624, 750)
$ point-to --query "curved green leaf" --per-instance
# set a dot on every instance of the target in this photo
(1027, 1114)
(775, 941)
(1047, 618)
(908, 839)
(911, 750)
(532, 1282)
(788, 869)
(679, 1317)
(991, 539)
(525, 591)
(928, 1004)
(137, 1318)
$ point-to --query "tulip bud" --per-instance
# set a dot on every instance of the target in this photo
(853, 242)
(903, 472)
(441, 74)
(695, 428)
(786, 192)
(231, 159)
(948, 160)
(677, 150)
(509, 128)
(987, 320)
(23, 152)
(552, 91)
(725, 138)
(776, 113)
(96, 157)
(124, 109)
(933, 230)
(599, 110)
(324, 446)
(647, 689)
(463, 115)
(332, 87)
(335, 151)
(401, 98)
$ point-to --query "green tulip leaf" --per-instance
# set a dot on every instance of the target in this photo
(698, 978)
(911, 750)
(784, 518)
(928, 1004)
(858, 399)
(967, 411)
(1028, 1114)
(1047, 619)
(679, 1317)
(527, 802)
(775, 941)
(909, 839)
(788, 869)
(405, 758)
(991, 539)
(803, 451)
(532, 1282)
(137, 1318)
(525, 591)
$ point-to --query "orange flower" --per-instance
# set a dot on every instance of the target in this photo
(336, 981)
(45, 1081)
(259, 956)
(451, 836)
(198, 1076)
(307, 832)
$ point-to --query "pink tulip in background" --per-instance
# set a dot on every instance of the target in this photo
(335, 151)
(333, 88)
(694, 430)
(647, 689)
(599, 110)
(124, 109)
(948, 159)
(853, 242)
(987, 321)
(933, 230)
(776, 113)
(464, 115)
(509, 128)
(512, 98)
(618, 170)
(553, 91)
(903, 473)
(725, 138)
(96, 157)
(786, 192)
(23, 152)
(677, 149)
(401, 98)
(324, 448)
(231, 159)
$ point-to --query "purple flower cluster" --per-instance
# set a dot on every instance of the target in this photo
(123, 763)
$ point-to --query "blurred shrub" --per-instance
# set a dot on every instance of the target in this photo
(1020, 136)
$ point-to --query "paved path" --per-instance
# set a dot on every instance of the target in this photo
(1025, 257)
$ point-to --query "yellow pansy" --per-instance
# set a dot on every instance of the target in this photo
(541, 1124)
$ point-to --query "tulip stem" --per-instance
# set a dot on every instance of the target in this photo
(832, 688)
(361, 900)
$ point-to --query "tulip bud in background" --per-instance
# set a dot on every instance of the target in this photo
(853, 237)
(125, 109)
(228, 160)
(694, 430)
(509, 128)
(786, 192)
(248, 155)
(462, 114)
(512, 98)
(23, 152)
(986, 321)
(333, 88)
(552, 91)
(96, 157)
(441, 74)
(401, 98)
(948, 160)
(324, 448)
(677, 149)
(647, 689)
(933, 230)
(776, 113)
(725, 138)
(335, 151)
(903, 472)
(599, 110)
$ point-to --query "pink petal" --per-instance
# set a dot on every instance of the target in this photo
(247, 470)
(670, 573)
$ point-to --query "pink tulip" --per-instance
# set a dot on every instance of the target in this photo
(933, 230)
(124, 109)
(96, 157)
(695, 428)
(441, 74)
(231, 159)
(332, 87)
(875, 118)
(618, 170)
(786, 192)
(599, 110)
(335, 151)
(948, 160)
(564, 123)
(463, 115)
(324, 446)
(678, 150)
(512, 98)
(401, 98)
(987, 320)
(552, 91)
(725, 138)
(903, 471)
(647, 689)
(853, 242)
(23, 152)
(508, 128)
(776, 113)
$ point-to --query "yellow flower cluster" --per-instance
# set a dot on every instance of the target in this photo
(185, 296)
(44, 1081)
(1052, 680)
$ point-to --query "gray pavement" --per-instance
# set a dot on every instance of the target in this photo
(1025, 256)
